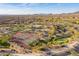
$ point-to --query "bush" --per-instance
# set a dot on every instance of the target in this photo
(4, 40)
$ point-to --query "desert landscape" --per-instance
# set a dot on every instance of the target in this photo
(39, 29)
(39, 34)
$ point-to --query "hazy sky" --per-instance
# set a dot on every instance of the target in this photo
(36, 8)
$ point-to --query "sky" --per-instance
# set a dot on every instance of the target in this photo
(38, 8)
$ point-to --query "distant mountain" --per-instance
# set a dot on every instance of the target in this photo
(76, 12)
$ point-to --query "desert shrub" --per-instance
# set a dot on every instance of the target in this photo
(4, 40)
